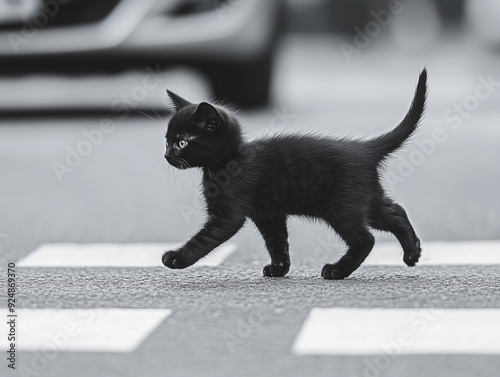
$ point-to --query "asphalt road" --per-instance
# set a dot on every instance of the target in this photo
(232, 321)
(229, 320)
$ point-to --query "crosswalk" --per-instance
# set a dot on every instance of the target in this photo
(326, 331)
(348, 331)
(149, 254)
(113, 255)
(85, 330)
(450, 253)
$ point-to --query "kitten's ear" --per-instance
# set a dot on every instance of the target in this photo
(178, 101)
(207, 117)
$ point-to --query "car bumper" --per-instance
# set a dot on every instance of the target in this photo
(239, 29)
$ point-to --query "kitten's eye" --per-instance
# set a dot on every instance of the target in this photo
(182, 144)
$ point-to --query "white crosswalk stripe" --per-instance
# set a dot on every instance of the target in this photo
(349, 331)
(439, 253)
(113, 255)
(95, 330)
(149, 254)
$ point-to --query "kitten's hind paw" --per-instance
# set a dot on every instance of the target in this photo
(276, 270)
(412, 258)
(331, 272)
(174, 259)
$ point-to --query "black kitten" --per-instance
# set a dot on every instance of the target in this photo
(267, 180)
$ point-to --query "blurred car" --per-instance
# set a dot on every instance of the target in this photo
(231, 41)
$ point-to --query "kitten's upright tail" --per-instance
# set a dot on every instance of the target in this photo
(387, 143)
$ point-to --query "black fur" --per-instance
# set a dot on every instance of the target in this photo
(269, 179)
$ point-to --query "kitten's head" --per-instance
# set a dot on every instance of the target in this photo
(200, 135)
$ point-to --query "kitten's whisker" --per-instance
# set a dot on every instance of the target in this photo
(162, 126)
(184, 162)
(173, 175)
(166, 173)
(159, 159)
(187, 165)
(154, 154)
(146, 115)
(162, 121)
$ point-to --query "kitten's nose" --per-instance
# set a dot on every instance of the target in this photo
(168, 153)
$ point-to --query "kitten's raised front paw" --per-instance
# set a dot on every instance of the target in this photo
(276, 270)
(174, 259)
(330, 271)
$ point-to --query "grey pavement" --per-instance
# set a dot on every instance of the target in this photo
(232, 321)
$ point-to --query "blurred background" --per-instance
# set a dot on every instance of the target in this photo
(83, 105)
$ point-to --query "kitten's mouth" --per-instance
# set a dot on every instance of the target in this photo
(179, 164)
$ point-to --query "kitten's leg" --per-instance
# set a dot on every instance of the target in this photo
(359, 241)
(275, 235)
(216, 231)
(391, 217)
